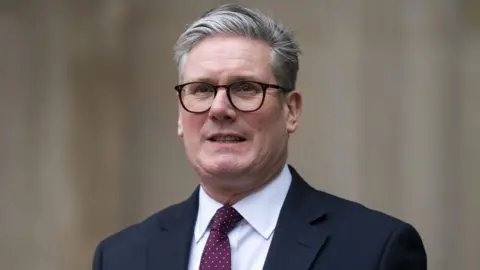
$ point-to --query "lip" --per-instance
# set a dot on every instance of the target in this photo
(212, 135)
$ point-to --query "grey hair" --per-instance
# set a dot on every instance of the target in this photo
(235, 20)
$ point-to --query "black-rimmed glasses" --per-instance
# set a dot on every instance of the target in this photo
(245, 96)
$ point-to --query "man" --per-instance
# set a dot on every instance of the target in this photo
(237, 108)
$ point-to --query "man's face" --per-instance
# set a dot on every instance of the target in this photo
(221, 60)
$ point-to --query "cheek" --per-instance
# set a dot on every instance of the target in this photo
(268, 130)
(191, 125)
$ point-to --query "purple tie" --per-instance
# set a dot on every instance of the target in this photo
(216, 254)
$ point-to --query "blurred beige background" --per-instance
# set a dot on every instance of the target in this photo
(88, 118)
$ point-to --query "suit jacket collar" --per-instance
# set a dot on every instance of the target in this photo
(300, 232)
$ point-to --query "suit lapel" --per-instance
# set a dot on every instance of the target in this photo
(170, 248)
(300, 231)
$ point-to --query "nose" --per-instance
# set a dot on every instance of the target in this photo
(222, 109)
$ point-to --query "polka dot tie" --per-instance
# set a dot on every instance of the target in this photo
(216, 254)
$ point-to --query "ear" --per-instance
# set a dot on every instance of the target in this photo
(179, 127)
(293, 103)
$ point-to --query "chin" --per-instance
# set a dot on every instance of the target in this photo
(224, 166)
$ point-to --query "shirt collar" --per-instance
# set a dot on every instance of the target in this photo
(206, 210)
(260, 209)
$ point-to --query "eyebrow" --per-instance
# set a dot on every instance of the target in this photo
(242, 78)
(234, 78)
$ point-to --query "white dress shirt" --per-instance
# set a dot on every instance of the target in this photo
(251, 238)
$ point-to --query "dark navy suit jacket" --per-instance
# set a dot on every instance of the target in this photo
(315, 230)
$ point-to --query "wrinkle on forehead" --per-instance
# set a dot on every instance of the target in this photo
(221, 57)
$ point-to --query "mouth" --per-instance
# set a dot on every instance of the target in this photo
(226, 139)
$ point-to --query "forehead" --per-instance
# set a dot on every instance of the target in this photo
(222, 57)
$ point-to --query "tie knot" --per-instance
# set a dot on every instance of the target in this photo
(225, 219)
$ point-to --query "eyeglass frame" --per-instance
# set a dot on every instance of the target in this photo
(265, 86)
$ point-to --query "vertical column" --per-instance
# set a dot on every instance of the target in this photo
(101, 95)
(468, 158)
(39, 192)
(329, 34)
(381, 87)
(341, 65)
(51, 103)
(426, 116)
(19, 196)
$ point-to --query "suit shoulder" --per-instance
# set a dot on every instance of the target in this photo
(367, 231)
(139, 233)
(360, 215)
(345, 213)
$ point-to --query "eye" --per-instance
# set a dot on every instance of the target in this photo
(199, 89)
(246, 87)
(203, 89)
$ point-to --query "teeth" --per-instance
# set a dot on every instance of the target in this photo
(227, 139)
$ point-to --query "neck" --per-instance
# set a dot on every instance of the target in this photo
(226, 194)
